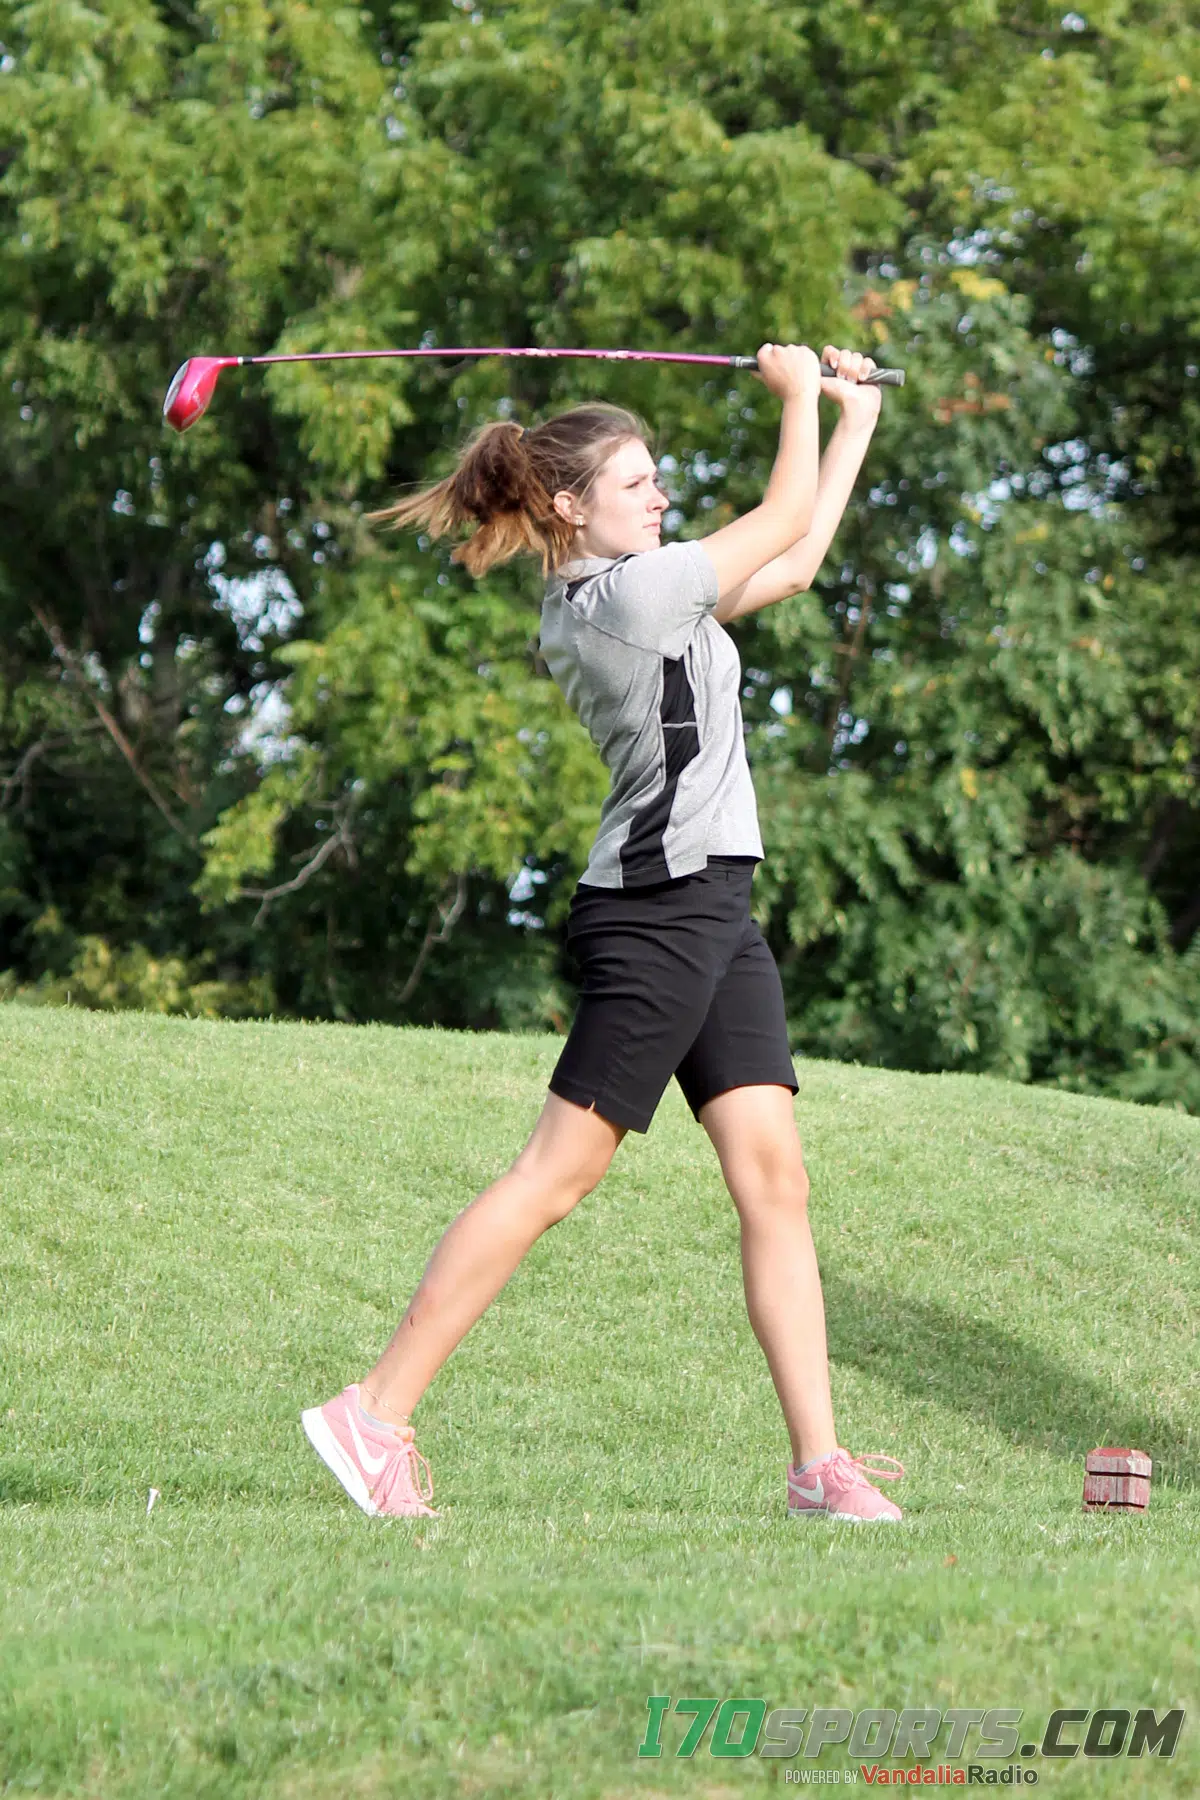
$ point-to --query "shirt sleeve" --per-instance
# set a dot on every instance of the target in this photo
(656, 599)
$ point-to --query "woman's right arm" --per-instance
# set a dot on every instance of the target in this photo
(737, 551)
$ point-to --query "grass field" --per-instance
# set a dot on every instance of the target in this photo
(208, 1227)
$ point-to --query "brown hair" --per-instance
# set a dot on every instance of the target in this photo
(505, 484)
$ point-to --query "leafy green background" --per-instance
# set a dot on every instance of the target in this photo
(975, 739)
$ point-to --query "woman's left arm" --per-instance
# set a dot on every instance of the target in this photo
(796, 569)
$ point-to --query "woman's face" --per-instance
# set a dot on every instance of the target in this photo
(624, 506)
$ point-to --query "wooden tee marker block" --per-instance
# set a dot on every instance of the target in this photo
(1117, 1479)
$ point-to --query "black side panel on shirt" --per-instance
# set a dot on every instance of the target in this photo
(642, 856)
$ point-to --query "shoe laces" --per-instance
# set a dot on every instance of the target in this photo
(402, 1477)
(857, 1469)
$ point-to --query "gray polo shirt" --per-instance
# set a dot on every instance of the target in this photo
(656, 681)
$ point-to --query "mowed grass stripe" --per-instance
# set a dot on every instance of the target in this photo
(209, 1226)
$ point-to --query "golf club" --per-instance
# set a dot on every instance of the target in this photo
(194, 382)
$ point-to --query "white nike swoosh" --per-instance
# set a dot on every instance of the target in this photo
(816, 1495)
(372, 1464)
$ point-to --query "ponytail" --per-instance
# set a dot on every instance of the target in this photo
(505, 483)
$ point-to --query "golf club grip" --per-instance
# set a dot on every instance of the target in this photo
(877, 377)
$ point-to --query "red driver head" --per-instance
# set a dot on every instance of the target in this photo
(192, 389)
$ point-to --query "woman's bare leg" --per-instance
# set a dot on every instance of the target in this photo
(567, 1154)
(754, 1132)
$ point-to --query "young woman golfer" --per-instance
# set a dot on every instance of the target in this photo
(676, 977)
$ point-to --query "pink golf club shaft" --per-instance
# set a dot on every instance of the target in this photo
(193, 384)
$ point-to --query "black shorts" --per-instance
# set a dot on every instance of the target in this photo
(675, 979)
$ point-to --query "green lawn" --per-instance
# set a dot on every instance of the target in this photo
(208, 1227)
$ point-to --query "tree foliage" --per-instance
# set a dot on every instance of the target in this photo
(255, 757)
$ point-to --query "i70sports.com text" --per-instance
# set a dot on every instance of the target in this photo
(974, 1736)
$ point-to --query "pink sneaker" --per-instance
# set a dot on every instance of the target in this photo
(378, 1469)
(837, 1486)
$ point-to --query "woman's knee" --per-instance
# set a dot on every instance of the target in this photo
(771, 1189)
(549, 1193)
(555, 1184)
(568, 1154)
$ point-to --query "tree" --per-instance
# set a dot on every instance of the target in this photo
(975, 738)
